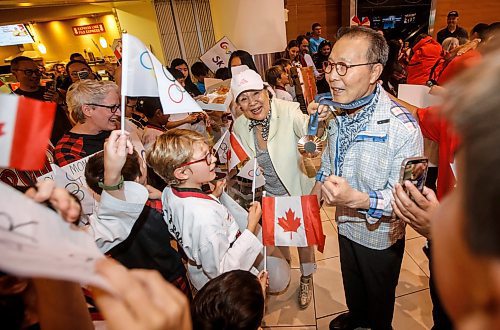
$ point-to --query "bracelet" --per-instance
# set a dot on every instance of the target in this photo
(117, 186)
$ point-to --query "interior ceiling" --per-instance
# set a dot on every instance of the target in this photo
(10, 4)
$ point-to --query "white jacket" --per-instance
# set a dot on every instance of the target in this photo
(112, 222)
(208, 234)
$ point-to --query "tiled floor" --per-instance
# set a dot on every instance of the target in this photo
(413, 304)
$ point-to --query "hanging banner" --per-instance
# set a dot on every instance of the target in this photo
(81, 30)
(218, 56)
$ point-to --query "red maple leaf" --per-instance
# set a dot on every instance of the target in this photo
(1, 129)
(289, 222)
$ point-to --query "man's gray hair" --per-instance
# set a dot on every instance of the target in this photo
(85, 92)
(378, 51)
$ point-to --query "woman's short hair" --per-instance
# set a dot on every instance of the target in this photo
(273, 74)
(231, 301)
(87, 91)
(94, 170)
(170, 151)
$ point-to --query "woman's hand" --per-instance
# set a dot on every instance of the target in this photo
(116, 149)
(144, 301)
(323, 110)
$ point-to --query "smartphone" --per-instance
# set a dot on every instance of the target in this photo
(83, 75)
(414, 170)
(50, 85)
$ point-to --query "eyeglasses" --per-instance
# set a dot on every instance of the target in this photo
(113, 108)
(341, 67)
(30, 72)
(77, 74)
(207, 159)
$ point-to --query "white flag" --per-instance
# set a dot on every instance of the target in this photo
(144, 75)
(173, 97)
(247, 172)
(222, 146)
(137, 68)
(36, 242)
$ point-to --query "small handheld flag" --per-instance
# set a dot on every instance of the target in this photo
(292, 221)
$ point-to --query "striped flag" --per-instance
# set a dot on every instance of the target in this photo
(25, 127)
(292, 221)
(236, 153)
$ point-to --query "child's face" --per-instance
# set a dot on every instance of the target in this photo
(184, 69)
(201, 172)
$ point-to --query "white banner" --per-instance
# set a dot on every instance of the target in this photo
(218, 56)
(72, 178)
(417, 95)
(36, 242)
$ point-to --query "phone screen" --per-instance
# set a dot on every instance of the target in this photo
(83, 75)
(415, 171)
(50, 85)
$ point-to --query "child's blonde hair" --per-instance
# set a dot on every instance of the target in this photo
(170, 150)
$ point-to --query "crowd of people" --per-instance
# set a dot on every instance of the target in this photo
(159, 204)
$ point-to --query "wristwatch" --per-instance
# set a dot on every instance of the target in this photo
(117, 186)
(431, 83)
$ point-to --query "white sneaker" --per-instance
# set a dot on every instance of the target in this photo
(305, 291)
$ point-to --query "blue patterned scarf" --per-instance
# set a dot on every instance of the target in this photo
(348, 129)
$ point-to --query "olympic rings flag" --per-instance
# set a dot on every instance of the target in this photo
(144, 75)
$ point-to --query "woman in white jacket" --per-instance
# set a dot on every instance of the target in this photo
(270, 129)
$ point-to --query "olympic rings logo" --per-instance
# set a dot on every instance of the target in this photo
(143, 64)
(224, 45)
(174, 90)
(257, 172)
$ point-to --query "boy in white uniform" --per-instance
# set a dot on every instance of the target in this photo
(204, 228)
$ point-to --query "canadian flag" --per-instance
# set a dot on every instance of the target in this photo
(230, 150)
(292, 221)
(25, 127)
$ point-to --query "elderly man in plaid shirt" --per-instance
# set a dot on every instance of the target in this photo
(360, 166)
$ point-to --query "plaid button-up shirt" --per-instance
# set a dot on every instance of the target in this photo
(372, 165)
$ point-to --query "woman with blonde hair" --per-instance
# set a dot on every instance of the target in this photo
(94, 107)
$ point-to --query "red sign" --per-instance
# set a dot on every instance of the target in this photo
(81, 30)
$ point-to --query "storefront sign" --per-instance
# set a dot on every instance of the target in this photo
(218, 56)
(81, 30)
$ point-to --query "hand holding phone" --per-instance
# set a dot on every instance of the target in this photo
(414, 170)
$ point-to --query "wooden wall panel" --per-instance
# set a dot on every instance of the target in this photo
(471, 12)
(303, 13)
